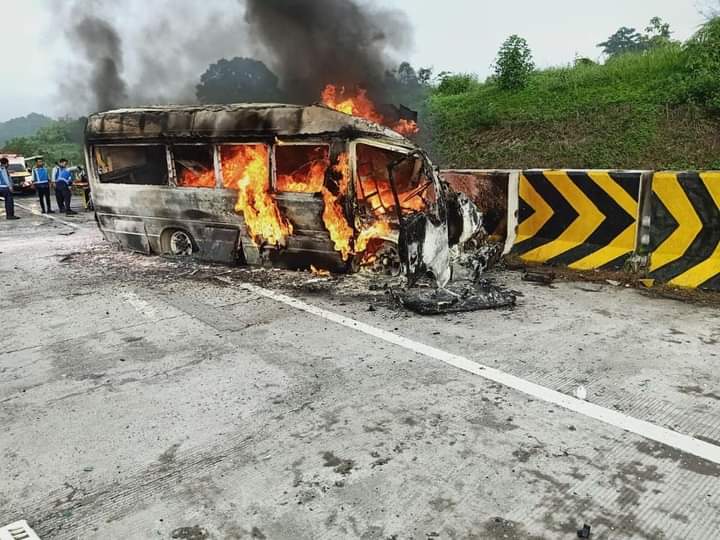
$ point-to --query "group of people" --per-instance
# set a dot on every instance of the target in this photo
(61, 177)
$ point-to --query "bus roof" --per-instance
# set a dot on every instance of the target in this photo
(241, 120)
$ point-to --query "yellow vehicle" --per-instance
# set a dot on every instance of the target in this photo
(19, 173)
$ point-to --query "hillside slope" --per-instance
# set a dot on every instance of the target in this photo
(23, 126)
(628, 113)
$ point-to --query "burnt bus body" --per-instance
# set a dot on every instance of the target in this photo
(164, 181)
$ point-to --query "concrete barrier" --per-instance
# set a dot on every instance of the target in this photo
(683, 229)
(581, 219)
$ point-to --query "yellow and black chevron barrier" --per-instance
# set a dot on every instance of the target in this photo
(685, 229)
(581, 219)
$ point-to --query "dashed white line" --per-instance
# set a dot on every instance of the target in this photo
(617, 419)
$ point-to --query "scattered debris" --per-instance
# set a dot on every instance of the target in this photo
(68, 257)
(67, 233)
(471, 262)
(190, 533)
(613, 282)
(340, 466)
(584, 532)
(647, 283)
(581, 392)
(535, 276)
(319, 271)
(455, 298)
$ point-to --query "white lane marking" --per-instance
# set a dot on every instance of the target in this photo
(33, 211)
(645, 429)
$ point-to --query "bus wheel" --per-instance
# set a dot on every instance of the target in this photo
(178, 243)
(387, 260)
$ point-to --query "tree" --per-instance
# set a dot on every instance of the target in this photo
(406, 75)
(625, 40)
(61, 138)
(657, 33)
(514, 63)
(424, 76)
(238, 80)
(628, 40)
(406, 85)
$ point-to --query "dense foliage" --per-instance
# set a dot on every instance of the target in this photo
(654, 108)
(702, 70)
(61, 138)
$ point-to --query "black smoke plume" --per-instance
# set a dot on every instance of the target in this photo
(138, 52)
(102, 48)
(314, 42)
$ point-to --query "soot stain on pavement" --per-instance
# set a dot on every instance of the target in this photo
(501, 528)
(168, 456)
(190, 533)
(685, 461)
(631, 481)
(340, 466)
(695, 390)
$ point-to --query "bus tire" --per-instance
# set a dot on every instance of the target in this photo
(177, 243)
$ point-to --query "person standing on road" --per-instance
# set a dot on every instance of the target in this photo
(6, 189)
(63, 180)
(41, 179)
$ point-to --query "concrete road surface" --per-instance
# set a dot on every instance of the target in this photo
(149, 398)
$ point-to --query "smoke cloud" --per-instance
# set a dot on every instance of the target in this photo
(137, 52)
(313, 42)
(102, 48)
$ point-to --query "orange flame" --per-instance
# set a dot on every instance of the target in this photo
(300, 182)
(406, 127)
(333, 215)
(190, 178)
(245, 168)
(359, 105)
(379, 229)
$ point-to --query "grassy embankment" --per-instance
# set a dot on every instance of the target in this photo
(628, 113)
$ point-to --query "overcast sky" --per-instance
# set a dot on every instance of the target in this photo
(452, 35)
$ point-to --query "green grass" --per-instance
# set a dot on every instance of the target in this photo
(628, 113)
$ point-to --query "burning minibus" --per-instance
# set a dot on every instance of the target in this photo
(272, 184)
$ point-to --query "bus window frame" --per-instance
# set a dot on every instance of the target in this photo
(91, 157)
(391, 148)
(273, 163)
(218, 160)
(215, 157)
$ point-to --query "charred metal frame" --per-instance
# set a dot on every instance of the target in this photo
(208, 214)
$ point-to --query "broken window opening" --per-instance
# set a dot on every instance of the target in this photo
(136, 165)
(194, 166)
(415, 190)
(301, 168)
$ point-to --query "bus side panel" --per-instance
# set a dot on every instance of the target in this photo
(207, 215)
